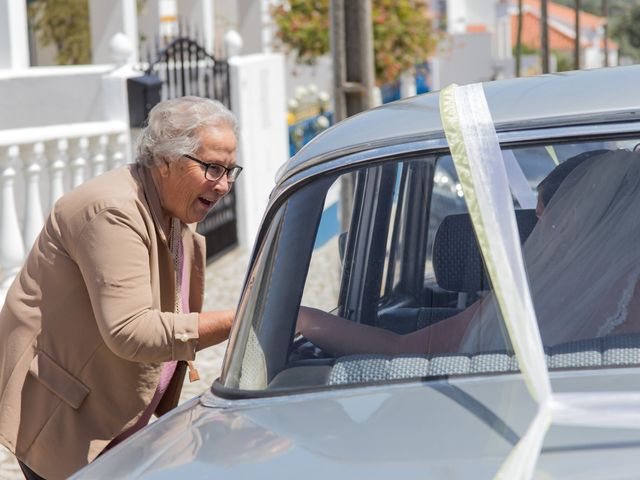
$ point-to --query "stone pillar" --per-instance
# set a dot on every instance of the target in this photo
(258, 100)
(106, 20)
(14, 40)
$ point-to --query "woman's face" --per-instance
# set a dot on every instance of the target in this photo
(184, 191)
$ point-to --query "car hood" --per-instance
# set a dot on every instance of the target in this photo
(462, 428)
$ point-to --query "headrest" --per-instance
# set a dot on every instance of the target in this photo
(457, 262)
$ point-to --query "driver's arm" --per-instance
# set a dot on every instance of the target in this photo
(339, 336)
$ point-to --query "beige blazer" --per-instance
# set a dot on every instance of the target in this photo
(89, 320)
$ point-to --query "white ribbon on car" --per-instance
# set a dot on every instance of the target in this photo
(476, 154)
(520, 187)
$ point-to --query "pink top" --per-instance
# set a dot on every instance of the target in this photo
(166, 375)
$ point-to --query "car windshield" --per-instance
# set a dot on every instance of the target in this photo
(375, 274)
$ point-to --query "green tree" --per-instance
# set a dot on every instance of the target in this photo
(621, 26)
(565, 61)
(627, 32)
(65, 25)
(402, 33)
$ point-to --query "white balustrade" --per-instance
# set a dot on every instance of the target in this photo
(43, 163)
(58, 163)
(32, 223)
(117, 148)
(11, 246)
(99, 158)
(79, 163)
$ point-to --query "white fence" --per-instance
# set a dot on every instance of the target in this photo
(45, 158)
(38, 165)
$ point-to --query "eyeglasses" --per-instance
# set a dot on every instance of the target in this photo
(215, 171)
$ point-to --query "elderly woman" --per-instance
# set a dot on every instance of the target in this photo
(98, 328)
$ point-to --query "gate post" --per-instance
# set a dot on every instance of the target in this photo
(199, 15)
(258, 101)
(14, 45)
(107, 19)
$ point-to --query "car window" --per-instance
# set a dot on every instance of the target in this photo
(322, 285)
(535, 163)
(387, 282)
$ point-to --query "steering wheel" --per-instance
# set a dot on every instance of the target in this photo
(303, 349)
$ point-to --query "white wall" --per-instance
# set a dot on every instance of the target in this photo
(258, 100)
(320, 74)
(456, 16)
(461, 13)
(43, 96)
(462, 59)
(482, 12)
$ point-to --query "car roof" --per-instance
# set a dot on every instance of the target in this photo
(559, 99)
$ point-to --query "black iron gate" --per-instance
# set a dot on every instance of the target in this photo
(185, 68)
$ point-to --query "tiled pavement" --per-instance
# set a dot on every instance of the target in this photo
(224, 282)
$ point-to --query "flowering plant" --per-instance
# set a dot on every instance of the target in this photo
(403, 33)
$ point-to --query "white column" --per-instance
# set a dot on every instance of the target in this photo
(11, 246)
(198, 14)
(504, 49)
(33, 218)
(117, 150)
(99, 157)
(148, 26)
(408, 84)
(107, 19)
(79, 163)
(250, 25)
(14, 40)
(58, 163)
(456, 16)
(258, 100)
(268, 27)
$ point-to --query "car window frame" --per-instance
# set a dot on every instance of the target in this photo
(429, 147)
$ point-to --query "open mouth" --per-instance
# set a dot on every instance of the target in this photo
(206, 203)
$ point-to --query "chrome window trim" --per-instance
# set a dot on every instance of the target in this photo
(341, 158)
(346, 158)
(213, 396)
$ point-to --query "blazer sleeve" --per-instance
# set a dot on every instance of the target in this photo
(113, 254)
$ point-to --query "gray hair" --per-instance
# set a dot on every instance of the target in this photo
(173, 125)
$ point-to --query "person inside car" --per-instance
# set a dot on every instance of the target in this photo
(582, 265)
